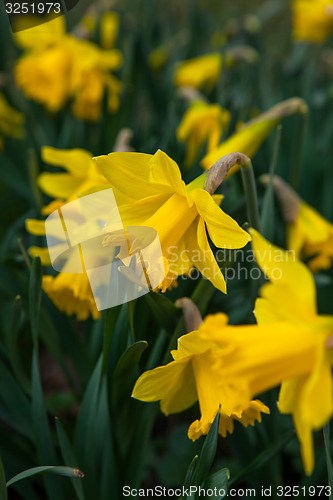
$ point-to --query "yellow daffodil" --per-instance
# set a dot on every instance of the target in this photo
(196, 374)
(227, 366)
(11, 121)
(250, 136)
(81, 175)
(199, 72)
(291, 296)
(202, 122)
(70, 292)
(309, 235)
(312, 20)
(203, 72)
(59, 69)
(181, 214)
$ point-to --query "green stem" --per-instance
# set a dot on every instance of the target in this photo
(267, 208)
(24, 253)
(326, 431)
(295, 174)
(250, 190)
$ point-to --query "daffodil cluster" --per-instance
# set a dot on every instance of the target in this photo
(224, 367)
(58, 68)
(149, 192)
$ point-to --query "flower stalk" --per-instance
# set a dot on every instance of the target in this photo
(250, 190)
(219, 171)
(192, 316)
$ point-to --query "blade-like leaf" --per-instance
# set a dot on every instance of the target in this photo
(68, 456)
(3, 489)
(163, 309)
(53, 469)
(208, 451)
(35, 295)
(326, 431)
(122, 377)
(14, 402)
(111, 317)
(85, 431)
(190, 474)
(45, 447)
(267, 211)
(219, 480)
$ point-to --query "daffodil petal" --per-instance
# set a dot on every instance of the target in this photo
(305, 436)
(223, 229)
(172, 384)
(165, 171)
(34, 226)
(42, 253)
(75, 161)
(128, 172)
(139, 211)
(29, 36)
(52, 206)
(201, 255)
(179, 260)
(285, 272)
(316, 404)
(58, 185)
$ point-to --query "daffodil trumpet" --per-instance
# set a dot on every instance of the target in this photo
(197, 372)
(248, 138)
(309, 234)
(290, 296)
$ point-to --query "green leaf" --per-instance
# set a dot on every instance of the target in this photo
(202, 295)
(163, 309)
(267, 211)
(15, 402)
(111, 317)
(219, 480)
(326, 431)
(69, 457)
(53, 469)
(85, 428)
(35, 295)
(264, 457)
(190, 474)
(208, 451)
(3, 489)
(45, 447)
(33, 172)
(108, 473)
(131, 309)
(122, 380)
